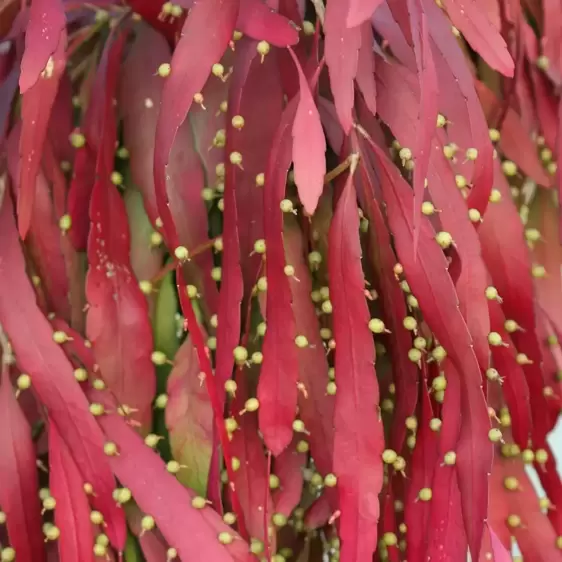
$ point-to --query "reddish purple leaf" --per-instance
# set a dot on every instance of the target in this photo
(515, 142)
(501, 554)
(277, 388)
(205, 364)
(358, 432)
(288, 467)
(421, 470)
(140, 92)
(232, 284)
(188, 76)
(342, 46)
(37, 102)
(257, 20)
(309, 146)
(506, 255)
(19, 490)
(366, 68)
(427, 115)
(153, 545)
(99, 149)
(514, 385)
(189, 419)
(44, 37)
(431, 284)
(261, 106)
(251, 480)
(72, 513)
(160, 494)
(361, 11)
(447, 538)
(118, 311)
(472, 280)
(471, 19)
(52, 375)
(316, 408)
(44, 240)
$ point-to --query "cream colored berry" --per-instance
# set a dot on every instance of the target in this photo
(23, 382)
(376, 325)
(410, 323)
(181, 253)
(148, 523)
(164, 70)
(240, 354)
(495, 339)
(444, 239)
(450, 458)
(389, 456)
(301, 341)
(251, 405)
(495, 435)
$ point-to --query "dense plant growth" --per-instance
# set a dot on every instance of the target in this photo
(279, 280)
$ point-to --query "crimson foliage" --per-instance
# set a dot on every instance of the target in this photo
(279, 280)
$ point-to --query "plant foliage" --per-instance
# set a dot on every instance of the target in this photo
(280, 280)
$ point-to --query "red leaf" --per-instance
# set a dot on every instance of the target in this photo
(499, 551)
(548, 253)
(37, 102)
(72, 514)
(277, 388)
(205, 365)
(140, 92)
(44, 240)
(316, 408)
(393, 305)
(152, 12)
(154, 547)
(232, 284)
(360, 11)
(514, 386)
(422, 467)
(259, 21)
(515, 141)
(288, 467)
(431, 284)
(251, 481)
(189, 419)
(447, 536)
(79, 196)
(427, 107)
(358, 437)
(506, 255)
(366, 68)
(261, 105)
(461, 106)
(19, 490)
(158, 493)
(342, 58)
(309, 146)
(97, 150)
(118, 311)
(52, 376)
(207, 31)
(551, 40)
(470, 18)
(45, 34)
(472, 280)
(535, 537)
